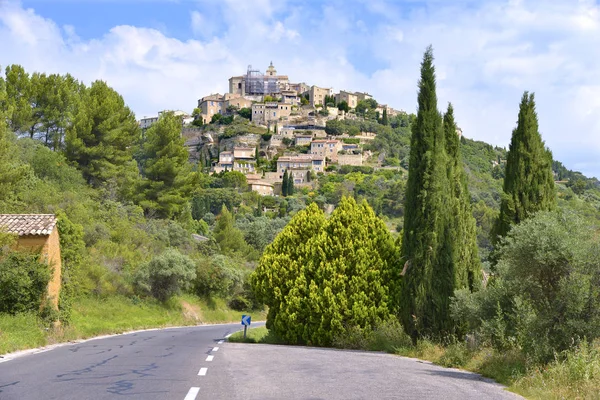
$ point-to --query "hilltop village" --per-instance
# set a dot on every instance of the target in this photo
(265, 125)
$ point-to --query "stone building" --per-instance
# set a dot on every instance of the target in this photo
(263, 113)
(326, 148)
(316, 95)
(38, 232)
(348, 97)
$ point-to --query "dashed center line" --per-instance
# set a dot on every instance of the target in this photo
(215, 349)
(210, 358)
(192, 393)
(202, 371)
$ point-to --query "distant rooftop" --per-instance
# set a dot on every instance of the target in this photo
(28, 224)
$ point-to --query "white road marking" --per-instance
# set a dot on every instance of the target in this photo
(202, 371)
(215, 349)
(193, 392)
(210, 358)
(220, 342)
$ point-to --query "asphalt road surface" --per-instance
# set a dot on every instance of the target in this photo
(193, 363)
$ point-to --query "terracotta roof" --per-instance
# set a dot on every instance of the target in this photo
(28, 224)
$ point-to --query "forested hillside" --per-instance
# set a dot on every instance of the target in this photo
(143, 226)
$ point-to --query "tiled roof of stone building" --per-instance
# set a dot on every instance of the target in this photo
(28, 224)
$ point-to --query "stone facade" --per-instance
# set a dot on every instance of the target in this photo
(326, 148)
(264, 113)
(316, 95)
(348, 97)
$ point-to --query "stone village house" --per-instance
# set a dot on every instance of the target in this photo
(38, 232)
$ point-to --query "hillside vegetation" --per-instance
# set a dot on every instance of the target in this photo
(150, 239)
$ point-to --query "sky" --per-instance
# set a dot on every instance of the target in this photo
(165, 54)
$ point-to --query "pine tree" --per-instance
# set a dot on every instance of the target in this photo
(529, 182)
(102, 137)
(284, 184)
(424, 210)
(168, 178)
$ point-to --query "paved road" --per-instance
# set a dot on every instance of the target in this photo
(159, 364)
(185, 364)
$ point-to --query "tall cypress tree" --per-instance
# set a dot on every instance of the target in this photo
(458, 265)
(463, 227)
(284, 184)
(424, 208)
(529, 182)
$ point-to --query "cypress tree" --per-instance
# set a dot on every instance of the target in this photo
(424, 209)
(290, 189)
(529, 182)
(284, 184)
(458, 265)
(384, 118)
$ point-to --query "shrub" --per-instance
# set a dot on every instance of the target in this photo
(166, 275)
(23, 281)
(217, 276)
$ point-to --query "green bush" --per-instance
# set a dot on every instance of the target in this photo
(166, 275)
(23, 281)
(322, 277)
(217, 276)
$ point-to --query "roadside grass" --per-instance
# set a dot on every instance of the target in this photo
(116, 314)
(19, 332)
(255, 335)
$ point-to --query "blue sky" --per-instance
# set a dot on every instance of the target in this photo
(165, 54)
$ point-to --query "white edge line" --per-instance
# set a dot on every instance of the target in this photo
(192, 393)
(210, 358)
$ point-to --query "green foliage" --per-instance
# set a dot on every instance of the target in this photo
(320, 277)
(285, 184)
(343, 106)
(529, 183)
(166, 275)
(168, 179)
(212, 200)
(422, 308)
(101, 138)
(245, 112)
(23, 281)
(230, 239)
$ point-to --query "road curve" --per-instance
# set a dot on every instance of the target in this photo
(268, 372)
(157, 364)
(193, 363)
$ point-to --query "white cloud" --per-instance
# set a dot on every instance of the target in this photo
(486, 56)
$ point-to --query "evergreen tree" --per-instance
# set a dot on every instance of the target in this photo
(290, 189)
(284, 184)
(13, 173)
(321, 277)
(230, 238)
(458, 265)
(424, 210)
(102, 138)
(384, 118)
(168, 178)
(529, 182)
(18, 101)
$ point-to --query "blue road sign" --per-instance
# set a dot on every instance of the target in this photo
(246, 319)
